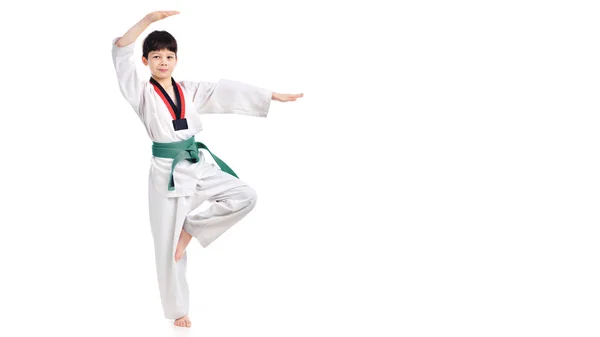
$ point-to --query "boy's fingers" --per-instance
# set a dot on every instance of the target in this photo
(169, 13)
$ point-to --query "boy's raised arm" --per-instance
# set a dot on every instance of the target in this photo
(134, 32)
(130, 83)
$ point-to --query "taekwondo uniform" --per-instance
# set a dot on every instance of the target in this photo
(180, 179)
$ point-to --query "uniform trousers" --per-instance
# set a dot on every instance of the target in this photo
(229, 200)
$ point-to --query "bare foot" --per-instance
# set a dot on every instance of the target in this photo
(183, 322)
(184, 240)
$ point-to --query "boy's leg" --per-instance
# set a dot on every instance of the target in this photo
(166, 220)
(230, 200)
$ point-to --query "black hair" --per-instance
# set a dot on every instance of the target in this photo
(159, 40)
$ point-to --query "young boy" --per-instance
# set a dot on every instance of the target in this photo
(180, 179)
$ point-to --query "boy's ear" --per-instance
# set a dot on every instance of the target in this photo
(144, 61)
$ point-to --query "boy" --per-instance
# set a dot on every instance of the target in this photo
(180, 179)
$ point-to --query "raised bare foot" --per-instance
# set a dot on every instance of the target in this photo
(184, 240)
(183, 322)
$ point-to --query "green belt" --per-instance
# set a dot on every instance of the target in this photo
(185, 150)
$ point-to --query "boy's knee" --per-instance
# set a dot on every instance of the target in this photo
(251, 195)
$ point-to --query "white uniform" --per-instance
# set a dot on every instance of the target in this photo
(195, 183)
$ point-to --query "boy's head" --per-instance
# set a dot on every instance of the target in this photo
(159, 52)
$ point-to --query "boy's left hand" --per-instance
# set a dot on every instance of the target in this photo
(285, 97)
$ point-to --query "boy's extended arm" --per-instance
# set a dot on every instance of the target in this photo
(228, 96)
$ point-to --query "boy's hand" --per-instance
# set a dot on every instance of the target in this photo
(159, 15)
(285, 97)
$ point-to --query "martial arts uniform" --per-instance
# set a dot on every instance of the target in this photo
(176, 192)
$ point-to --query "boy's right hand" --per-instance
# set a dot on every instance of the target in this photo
(159, 15)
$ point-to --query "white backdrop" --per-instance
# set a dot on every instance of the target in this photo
(439, 178)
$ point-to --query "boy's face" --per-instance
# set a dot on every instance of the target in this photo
(161, 63)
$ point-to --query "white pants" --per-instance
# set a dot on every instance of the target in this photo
(231, 200)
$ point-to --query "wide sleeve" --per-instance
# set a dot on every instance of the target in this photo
(227, 96)
(130, 83)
